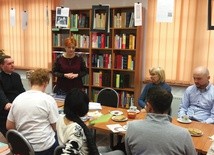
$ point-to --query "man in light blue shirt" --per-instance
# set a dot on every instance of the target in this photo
(198, 99)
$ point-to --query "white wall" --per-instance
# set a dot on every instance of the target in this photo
(26, 84)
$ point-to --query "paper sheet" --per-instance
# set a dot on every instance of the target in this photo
(24, 20)
(137, 14)
(165, 10)
(12, 16)
(116, 128)
(94, 106)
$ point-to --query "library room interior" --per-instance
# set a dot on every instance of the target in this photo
(119, 54)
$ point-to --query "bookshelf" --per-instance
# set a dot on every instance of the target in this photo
(113, 59)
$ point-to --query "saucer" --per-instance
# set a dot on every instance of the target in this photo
(182, 121)
(116, 112)
(115, 118)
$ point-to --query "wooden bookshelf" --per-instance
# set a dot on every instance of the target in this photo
(113, 59)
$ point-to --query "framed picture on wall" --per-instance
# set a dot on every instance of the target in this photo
(210, 15)
(100, 18)
(62, 17)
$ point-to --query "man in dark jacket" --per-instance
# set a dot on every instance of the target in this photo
(10, 87)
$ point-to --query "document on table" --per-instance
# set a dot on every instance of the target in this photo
(116, 128)
(94, 106)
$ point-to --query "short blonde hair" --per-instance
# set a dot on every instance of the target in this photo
(158, 71)
(39, 77)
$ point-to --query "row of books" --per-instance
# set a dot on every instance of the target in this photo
(79, 21)
(124, 19)
(122, 80)
(126, 99)
(102, 78)
(100, 40)
(124, 62)
(58, 38)
(124, 41)
(100, 21)
(101, 60)
(83, 40)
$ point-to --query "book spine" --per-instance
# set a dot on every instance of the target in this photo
(123, 41)
(117, 80)
(129, 62)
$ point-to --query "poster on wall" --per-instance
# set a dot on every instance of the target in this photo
(165, 10)
(62, 17)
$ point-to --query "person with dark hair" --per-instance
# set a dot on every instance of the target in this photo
(69, 68)
(10, 87)
(34, 114)
(72, 131)
(156, 134)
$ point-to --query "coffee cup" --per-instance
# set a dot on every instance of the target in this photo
(131, 115)
(133, 108)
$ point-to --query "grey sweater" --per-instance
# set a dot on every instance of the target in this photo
(156, 135)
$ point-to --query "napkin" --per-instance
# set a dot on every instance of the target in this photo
(212, 138)
(101, 119)
(211, 149)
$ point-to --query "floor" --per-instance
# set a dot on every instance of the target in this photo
(103, 142)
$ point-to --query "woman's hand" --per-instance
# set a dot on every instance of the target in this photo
(71, 75)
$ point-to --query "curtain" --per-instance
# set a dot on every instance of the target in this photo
(180, 46)
(30, 47)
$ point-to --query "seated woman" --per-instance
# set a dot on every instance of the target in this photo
(34, 114)
(71, 130)
(157, 76)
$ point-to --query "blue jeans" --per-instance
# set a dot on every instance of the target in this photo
(50, 151)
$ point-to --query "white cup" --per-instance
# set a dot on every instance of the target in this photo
(133, 108)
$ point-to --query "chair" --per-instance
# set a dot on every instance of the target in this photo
(18, 143)
(108, 97)
(58, 150)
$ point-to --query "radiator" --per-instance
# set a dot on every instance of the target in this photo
(175, 105)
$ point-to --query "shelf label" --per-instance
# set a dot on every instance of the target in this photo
(74, 29)
(55, 29)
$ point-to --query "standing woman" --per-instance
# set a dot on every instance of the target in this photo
(157, 75)
(69, 69)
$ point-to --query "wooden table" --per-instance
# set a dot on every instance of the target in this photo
(201, 144)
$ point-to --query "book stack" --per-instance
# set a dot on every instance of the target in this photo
(83, 20)
(124, 19)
